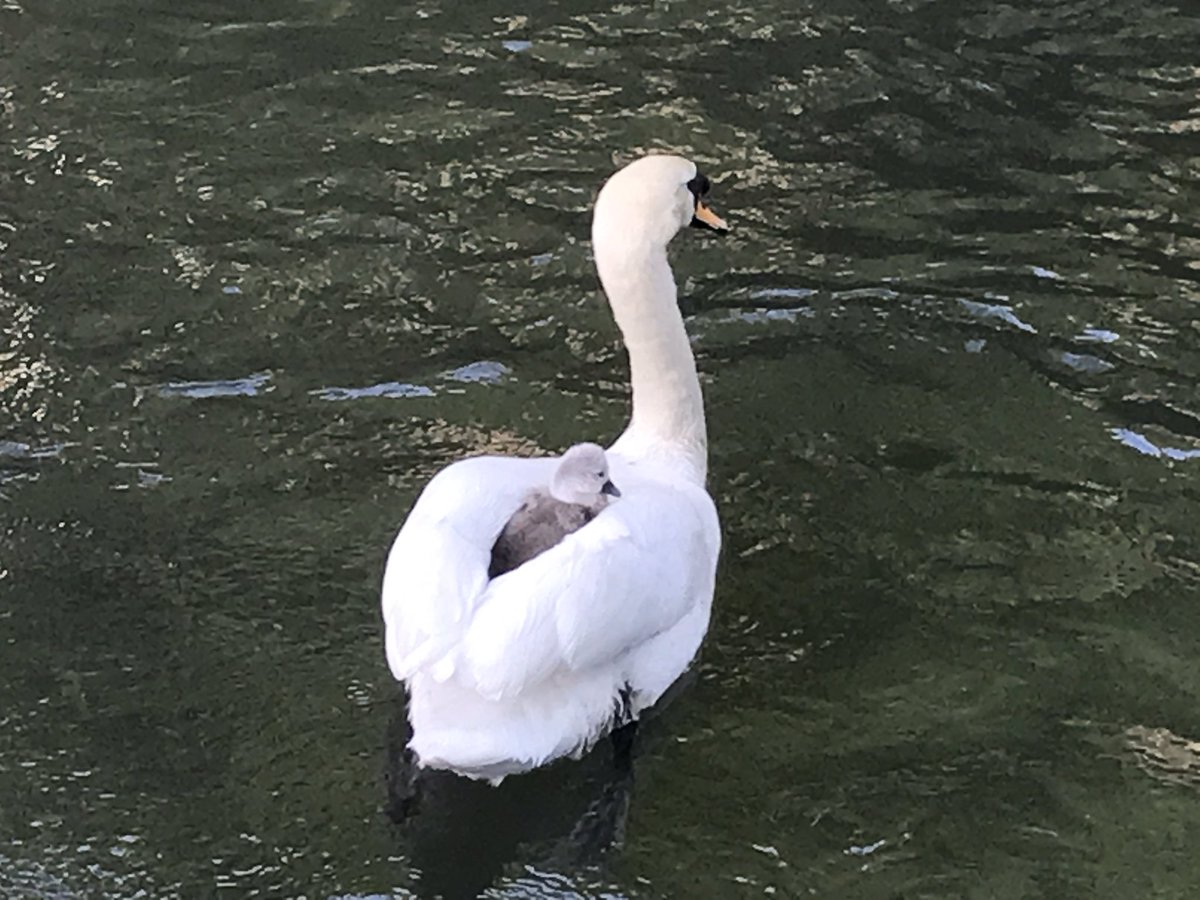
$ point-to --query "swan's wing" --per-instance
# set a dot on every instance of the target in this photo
(436, 571)
(629, 574)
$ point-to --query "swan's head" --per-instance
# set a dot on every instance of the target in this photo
(582, 477)
(651, 199)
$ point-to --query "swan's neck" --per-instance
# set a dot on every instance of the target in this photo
(668, 410)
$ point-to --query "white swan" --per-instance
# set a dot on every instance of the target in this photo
(508, 674)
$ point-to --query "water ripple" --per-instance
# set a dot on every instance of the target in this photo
(250, 386)
(1142, 444)
(390, 389)
(996, 311)
(481, 372)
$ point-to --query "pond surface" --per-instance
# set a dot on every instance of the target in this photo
(265, 267)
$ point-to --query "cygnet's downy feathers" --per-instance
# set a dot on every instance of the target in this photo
(578, 490)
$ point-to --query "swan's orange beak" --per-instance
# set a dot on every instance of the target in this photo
(704, 217)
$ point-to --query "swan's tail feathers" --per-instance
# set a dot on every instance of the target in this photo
(406, 667)
(443, 669)
(433, 654)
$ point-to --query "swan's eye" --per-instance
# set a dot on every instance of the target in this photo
(699, 186)
(600, 475)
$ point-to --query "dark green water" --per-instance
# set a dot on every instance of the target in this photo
(265, 267)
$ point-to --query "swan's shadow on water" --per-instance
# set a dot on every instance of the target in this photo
(463, 835)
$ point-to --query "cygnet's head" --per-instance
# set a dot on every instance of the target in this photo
(651, 199)
(582, 477)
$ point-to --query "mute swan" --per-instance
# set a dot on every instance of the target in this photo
(507, 674)
(578, 490)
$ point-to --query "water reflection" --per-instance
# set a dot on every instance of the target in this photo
(465, 836)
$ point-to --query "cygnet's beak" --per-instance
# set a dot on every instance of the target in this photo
(610, 489)
(704, 217)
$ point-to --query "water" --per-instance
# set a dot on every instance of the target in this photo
(266, 267)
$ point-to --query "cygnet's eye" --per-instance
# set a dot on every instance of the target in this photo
(600, 475)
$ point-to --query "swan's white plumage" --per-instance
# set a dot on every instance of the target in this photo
(436, 571)
(506, 674)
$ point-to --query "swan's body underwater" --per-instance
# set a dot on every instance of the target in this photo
(505, 674)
